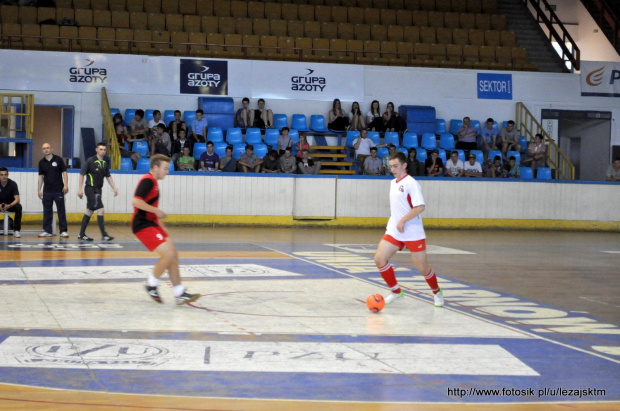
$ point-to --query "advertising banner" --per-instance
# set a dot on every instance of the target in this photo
(600, 79)
(494, 86)
(203, 77)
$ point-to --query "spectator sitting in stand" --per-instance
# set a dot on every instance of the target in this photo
(118, 119)
(160, 142)
(301, 145)
(199, 127)
(374, 120)
(175, 125)
(467, 136)
(454, 166)
(186, 161)
(537, 153)
(392, 121)
(287, 162)
(373, 166)
(228, 163)
(307, 165)
(242, 117)
(434, 165)
(270, 162)
(386, 159)
(209, 161)
(284, 141)
(613, 171)
(121, 138)
(181, 142)
(155, 122)
(362, 146)
(472, 167)
(356, 118)
(415, 168)
(489, 137)
(139, 127)
(495, 170)
(249, 161)
(506, 171)
(338, 120)
(509, 139)
(261, 118)
(515, 171)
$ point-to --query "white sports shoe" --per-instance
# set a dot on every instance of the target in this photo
(45, 234)
(394, 296)
(64, 234)
(439, 299)
(16, 234)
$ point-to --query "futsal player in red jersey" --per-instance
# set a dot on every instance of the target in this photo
(147, 228)
(405, 228)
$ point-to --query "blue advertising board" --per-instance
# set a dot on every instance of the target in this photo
(494, 86)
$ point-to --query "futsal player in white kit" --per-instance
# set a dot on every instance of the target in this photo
(405, 229)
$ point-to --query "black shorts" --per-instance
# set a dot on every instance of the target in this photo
(93, 198)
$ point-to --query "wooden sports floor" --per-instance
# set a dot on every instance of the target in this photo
(531, 322)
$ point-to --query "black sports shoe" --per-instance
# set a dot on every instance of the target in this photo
(152, 291)
(107, 238)
(187, 298)
(84, 238)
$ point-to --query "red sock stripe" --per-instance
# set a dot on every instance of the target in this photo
(431, 280)
(430, 275)
(385, 267)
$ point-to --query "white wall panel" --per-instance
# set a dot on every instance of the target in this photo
(315, 197)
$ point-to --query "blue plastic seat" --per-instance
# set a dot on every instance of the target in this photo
(351, 136)
(168, 116)
(446, 141)
(172, 167)
(126, 164)
(238, 150)
(279, 121)
(219, 148)
(317, 123)
(429, 141)
(374, 136)
(114, 111)
(410, 140)
(141, 147)
(199, 148)
(233, 136)
(543, 173)
(421, 156)
(299, 122)
(148, 114)
(215, 134)
(526, 172)
(391, 137)
(253, 136)
(144, 164)
(260, 150)
(440, 126)
(493, 153)
(442, 156)
(129, 114)
(294, 136)
(523, 144)
(271, 137)
(189, 117)
(382, 152)
(455, 126)
(516, 154)
(479, 155)
(461, 155)
(403, 150)
(476, 125)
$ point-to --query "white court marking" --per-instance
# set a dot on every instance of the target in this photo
(611, 252)
(139, 271)
(372, 248)
(366, 358)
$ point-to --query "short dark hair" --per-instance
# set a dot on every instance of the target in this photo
(497, 158)
(490, 120)
(156, 112)
(285, 128)
(373, 148)
(4, 169)
(512, 158)
(288, 149)
(400, 156)
(102, 144)
(511, 122)
(261, 99)
(209, 143)
(273, 153)
(139, 112)
(177, 111)
(199, 111)
(160, 125)
(249, 147)
(229, 148)
(245, 99)
(454, 152)
(183, 130)
(157, 159)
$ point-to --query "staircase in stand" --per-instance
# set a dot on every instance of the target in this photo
(333, 159)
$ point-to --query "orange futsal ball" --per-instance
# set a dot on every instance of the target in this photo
(375, 302)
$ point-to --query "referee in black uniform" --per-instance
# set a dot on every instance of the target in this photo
(95, 169)
(54, 181)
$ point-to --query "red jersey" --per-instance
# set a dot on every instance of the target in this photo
(147, 190)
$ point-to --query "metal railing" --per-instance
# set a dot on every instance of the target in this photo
(607, 14)
(18, 120)
(109, 133)
(572, 55)
(528, 126)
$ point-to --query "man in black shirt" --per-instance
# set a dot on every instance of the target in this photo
(53, 178)
(95, 169)
(270, 162)
(9, 200)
